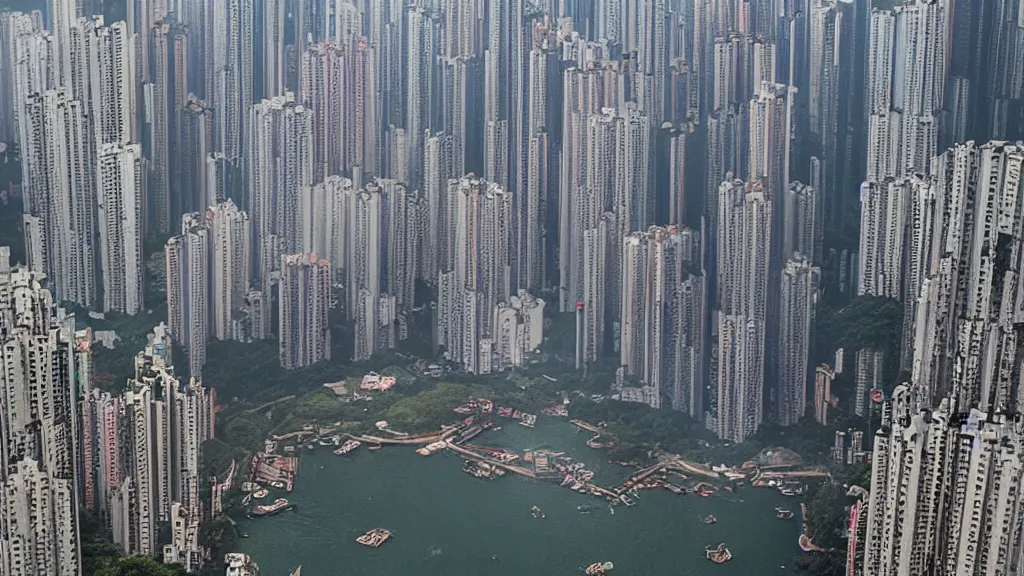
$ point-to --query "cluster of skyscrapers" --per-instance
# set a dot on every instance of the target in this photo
(132, 459)
(676, 173)
(139, 455)
(483, 149)
(70, 106)
(629, 161)
(947, 471)
(940, 232)
(38, 492)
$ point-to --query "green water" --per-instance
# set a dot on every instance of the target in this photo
(448, 523)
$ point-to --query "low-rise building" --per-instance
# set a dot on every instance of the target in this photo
(240, 565)
(374, 381)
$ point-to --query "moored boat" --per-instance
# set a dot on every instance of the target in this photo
(374, 538)
(673, 488)
(279, 505)
(347, 447)
(719, 554)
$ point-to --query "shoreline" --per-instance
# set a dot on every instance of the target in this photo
(398, 490)
(565, 471)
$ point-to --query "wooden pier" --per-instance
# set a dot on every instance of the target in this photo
(420, 439)
(481, 458)
(639, 477)
(585, 426)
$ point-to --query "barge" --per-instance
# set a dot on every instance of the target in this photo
(347, 447)
(279, 505)
(719, 554)
(374, 538)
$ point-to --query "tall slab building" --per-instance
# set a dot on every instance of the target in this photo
(39, 500)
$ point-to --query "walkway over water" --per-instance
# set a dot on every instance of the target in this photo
(586, 426)
(640, 476)
(421, 439)
(479, 457)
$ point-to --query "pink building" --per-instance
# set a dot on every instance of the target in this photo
(101, 475)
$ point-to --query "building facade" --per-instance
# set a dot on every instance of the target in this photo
(39, 502)
(304, 310)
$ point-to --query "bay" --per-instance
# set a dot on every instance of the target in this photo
(448, 523)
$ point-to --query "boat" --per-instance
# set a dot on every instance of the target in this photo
(347, 447)
(243, 535)
(719, 554)
(259, 494)
(598, 568)
(277, 484)
(374, 538)
(537, 513)
(482, 470)
(279, 505)
(375, 447)
(709, 519)
(783, 513)
(791, 491)
(298, 571)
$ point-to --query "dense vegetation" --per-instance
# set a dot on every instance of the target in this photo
(827, 514)
(101, 557)
(865, 322)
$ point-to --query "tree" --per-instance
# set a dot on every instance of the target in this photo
(826, 515)
(102, 557)
(137, 566)
(243, 432)
(832, 563)
(428, 410)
